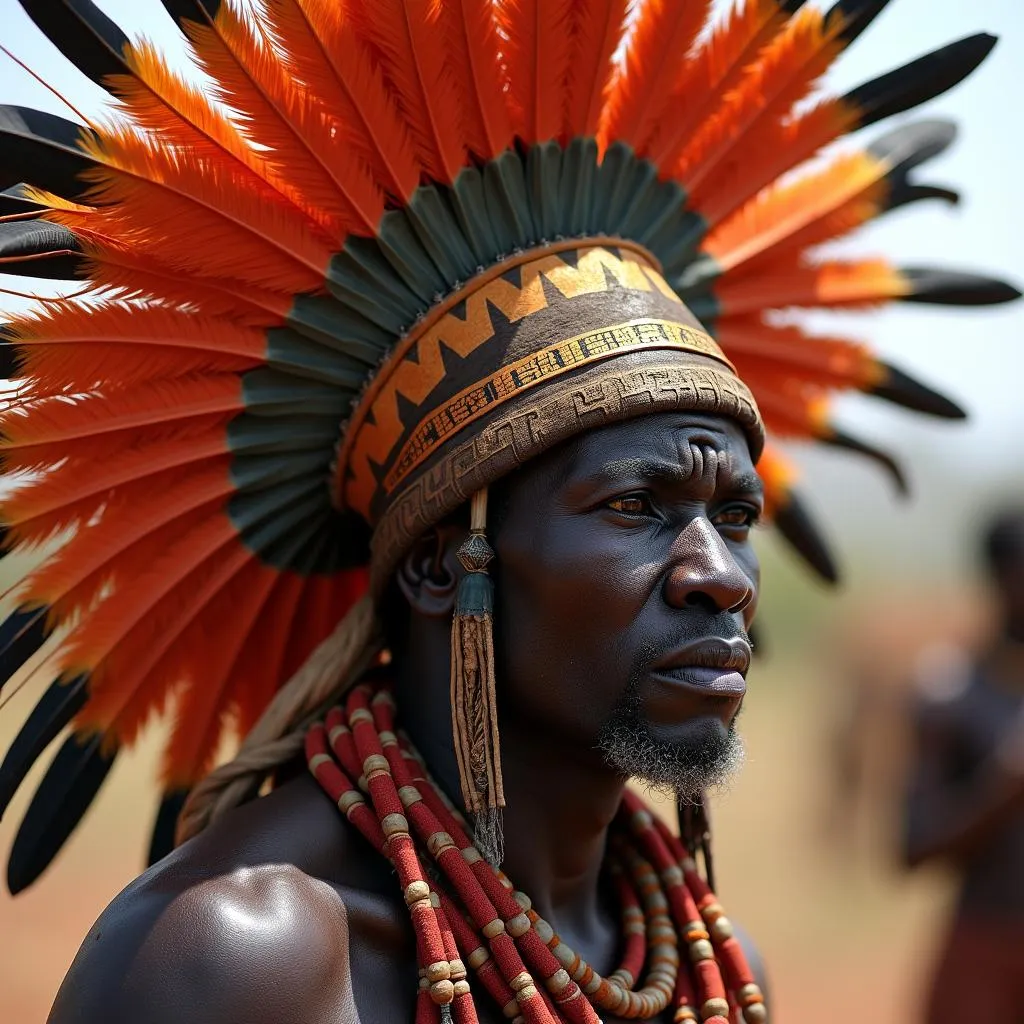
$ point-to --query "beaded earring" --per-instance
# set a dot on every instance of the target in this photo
(474, 705)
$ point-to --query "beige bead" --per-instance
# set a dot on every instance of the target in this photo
(478, 958)
(672, 875)
(712, 912)
(525, 994)
(394, 824)
(462, 988)
(750, 994)
(520, 981)
(558, 981)
(641, 820)
(319, 759)
(544, 930)
(360, 715)
(338, 730)
(684, 1013)
(458, 969)
(688, 864)
(564, 955)
(439, 842)
(435, 900)
(721, 929)
(440, 970)
(416, 891)
(409, 795)
(701, 950)
(349, 800)
(421, 905)
(523, 900)
(442, 992)
(755, 1013)
(714, 1008)
(518, 925)
(493, 928)
(470, 854)
(387, 738)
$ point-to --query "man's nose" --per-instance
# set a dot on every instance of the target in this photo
(704, 571)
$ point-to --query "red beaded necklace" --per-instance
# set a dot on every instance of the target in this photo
(465, 912)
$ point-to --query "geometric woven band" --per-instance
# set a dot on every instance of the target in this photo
(541, 367)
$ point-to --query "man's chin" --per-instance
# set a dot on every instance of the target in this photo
(684, 759)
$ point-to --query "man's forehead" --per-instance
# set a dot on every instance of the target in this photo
(667, 437)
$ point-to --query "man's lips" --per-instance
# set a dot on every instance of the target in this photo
(714, 665)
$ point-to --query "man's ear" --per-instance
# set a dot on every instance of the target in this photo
(429, 574)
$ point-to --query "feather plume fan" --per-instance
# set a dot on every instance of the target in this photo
(251, 249)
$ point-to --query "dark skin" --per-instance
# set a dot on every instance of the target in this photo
(966, 799)
(615, 550)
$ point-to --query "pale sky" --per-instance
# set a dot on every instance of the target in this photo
(978, 358)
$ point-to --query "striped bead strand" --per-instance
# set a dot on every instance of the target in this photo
(438, 816)
(385, 794)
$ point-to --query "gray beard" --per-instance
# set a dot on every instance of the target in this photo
(680, 770)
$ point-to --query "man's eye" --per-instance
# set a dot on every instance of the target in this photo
(631, 505)
(738, 517)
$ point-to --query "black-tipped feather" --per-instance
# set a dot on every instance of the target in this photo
(857, 15)
(43, 149)
(920, 80)
(82, 32)
(904, 192)
(8, 368)
(21, 635)
(65, 794)
(162, 841)
(37, 248)
(798, 528)
(61, 702)
(200, 11)
(841, 439)
(956, 288)
(13, 201)
(900, 388)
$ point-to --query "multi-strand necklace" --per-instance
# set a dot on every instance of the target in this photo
(678, 947)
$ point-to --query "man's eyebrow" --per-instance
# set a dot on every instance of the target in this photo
(661, 471)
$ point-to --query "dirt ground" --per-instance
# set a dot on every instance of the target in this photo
(846, 935)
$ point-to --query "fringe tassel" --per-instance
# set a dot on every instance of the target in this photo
(474, 704)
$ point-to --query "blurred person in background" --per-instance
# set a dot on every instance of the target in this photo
(965, 799)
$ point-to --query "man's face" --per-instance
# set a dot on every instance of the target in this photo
(627, 580)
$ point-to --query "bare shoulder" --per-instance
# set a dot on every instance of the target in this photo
(240, 925)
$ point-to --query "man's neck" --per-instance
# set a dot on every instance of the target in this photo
(558, 810)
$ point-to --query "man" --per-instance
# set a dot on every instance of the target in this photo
(519, 572)
(965, 802)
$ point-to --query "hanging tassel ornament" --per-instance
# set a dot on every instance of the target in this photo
(474, 704)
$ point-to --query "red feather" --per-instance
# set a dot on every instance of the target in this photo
(471, 41)
(320, 49)
(713, 72)
(537, 36)
(663, 34)
(597, 29)
(405, 35)
(783, 75)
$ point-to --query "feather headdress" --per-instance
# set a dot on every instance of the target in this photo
(199, 435)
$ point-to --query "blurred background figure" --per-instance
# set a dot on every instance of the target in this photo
(965, 797)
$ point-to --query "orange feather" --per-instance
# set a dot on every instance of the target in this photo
(404, 34)
(297, 131)
(155, 402)
(132, 527)
(639, 98)
(471, 41)
(714, 71)
(320, 49)
(766, 153)
(597, 29)
(209, 656)
(832, 283)
(778, 474)
(778, 215)
(197, 217)
(536, 46)
(74, 492)
(260, 671)
(826, 362)
(160, 102)
(781, 77)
